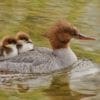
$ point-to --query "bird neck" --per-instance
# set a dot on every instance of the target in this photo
(58, 44)
(66, 56)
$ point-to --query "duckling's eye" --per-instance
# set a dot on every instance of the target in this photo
(23, 38)
(9, 42)
(12, 42)
(26, 39)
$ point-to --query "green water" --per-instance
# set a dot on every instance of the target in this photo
(35, 17)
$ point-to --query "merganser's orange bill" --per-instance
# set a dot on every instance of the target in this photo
(82, 37)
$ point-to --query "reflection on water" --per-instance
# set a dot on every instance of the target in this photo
(35, 16)
(60, 89)
(56, 88)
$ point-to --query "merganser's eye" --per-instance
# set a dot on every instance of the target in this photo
(74, 33)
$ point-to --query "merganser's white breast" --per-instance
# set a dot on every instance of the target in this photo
(66, 56)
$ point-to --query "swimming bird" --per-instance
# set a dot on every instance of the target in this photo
(43, 60)
(8, 47)
(24, 41)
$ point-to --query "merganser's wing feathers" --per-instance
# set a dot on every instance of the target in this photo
(29, 68)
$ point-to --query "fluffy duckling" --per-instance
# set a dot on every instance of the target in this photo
(24, 41)
(8, 47)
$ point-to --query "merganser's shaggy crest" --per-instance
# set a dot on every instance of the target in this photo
(42, 60)
(8, 47)
(24, 41)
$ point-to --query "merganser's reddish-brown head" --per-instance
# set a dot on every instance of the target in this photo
(61, 34)
(25, 43)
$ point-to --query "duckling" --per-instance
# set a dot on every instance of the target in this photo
(24, 41)
(8, 47)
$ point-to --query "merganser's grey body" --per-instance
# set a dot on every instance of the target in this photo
(39, 60)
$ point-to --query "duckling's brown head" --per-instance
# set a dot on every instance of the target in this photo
(9, 47)
(9, 41)
(22, 36)
(61, 34)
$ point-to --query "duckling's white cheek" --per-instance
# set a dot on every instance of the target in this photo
(12, 53)
(26, 47)
(30, 46)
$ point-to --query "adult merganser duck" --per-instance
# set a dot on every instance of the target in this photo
(49, 60)
(8, 47)
(24, 41)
